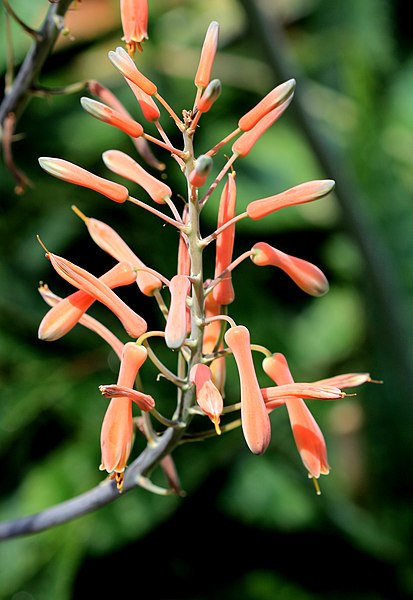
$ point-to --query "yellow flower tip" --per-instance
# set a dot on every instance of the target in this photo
(119, 479)
(80, 214)
(216, 421)
(316, 485)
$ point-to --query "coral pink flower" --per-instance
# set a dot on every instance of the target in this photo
(112, 243)
(63, 169)
(134, 17)
(148, 107)
(125, 166)
(299, 194)
(254, 415)
(125, 65)
(209, 48)
(306, 275)
(307, 434)
(176, 323)
(202, 169)
(223, 292)
(272, 100)
(207, 395)
(243, 145)
(117, 427)
(109, 115)
(66, 314)
(133, 323)
(211, 342)
(210, 95)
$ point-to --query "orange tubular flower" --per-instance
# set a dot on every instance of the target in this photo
(134, 17)
(207, 395)
(223, 292)
(307, 276)
(243, 145)
(105, 113)
(254, 415)
(133, 323)
(307, 434)
(117, 427)
(125, 166)
(66, 314)
(125, 65)
(176, 323)
(209, 48)
(63, 169)
(272, 100)
(299, 194)
(210, 95)
(87, 321)
(212, 332)
(148, 106)
(111, 242)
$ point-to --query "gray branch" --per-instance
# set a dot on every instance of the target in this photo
(17, 97)
(95, 498)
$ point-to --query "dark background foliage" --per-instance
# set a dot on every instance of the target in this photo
(249, 527)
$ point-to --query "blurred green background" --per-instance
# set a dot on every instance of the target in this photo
(249, 527)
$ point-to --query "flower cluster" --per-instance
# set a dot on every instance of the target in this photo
(197, 328)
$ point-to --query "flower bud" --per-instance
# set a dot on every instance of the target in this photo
(209, 48)
(202, 169)
(112, 117)
(223, 292)
(125, 65)
(211, 93)
(176, 323)
(272, 100)
(254, 415)
(243, 145)
(63, 169)
(125, 166)
(299, 194)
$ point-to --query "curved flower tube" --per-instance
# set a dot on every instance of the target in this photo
(307, 434)
(307, 276)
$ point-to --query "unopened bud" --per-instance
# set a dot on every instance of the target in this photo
(63, 169)
(125, 65)
(209, 48)
(211, 93)
(112, 117)
(203, 166)
(277, 96)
